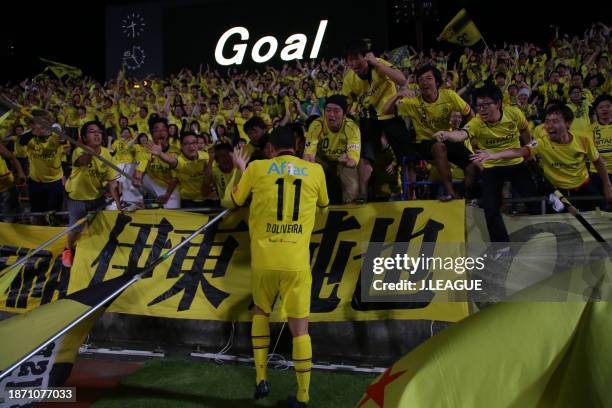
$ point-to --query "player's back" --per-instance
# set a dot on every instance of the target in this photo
(286, 191)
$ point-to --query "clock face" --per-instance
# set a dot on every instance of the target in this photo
(133, 25)
(134, 57)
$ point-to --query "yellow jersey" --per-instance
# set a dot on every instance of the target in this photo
(265, 117)
(20, 151)
(563, 164)
(109, 118)
(124, 151)
(552, 92)
(223, 181)
(602, 137)
(190, 174)
(429, 118)
(142, 124)
(157, 169)
(332, 145)
(371, 92)
(45, 158)
(501, 135)
(240, 121)
(582, 120)
(286, 191)
(88, 182)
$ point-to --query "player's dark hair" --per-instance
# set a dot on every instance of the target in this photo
(282, 138)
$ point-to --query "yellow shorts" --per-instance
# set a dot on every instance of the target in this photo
(292, 286)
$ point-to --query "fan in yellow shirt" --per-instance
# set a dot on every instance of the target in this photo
(154, 173)
(141, 120)
(256, 130)
(369, 83)
(258, 111)
(430, 112)
(286, 191)
(190, 170)
(87, 183)
(601, 130)
(563, 157)
(497, 128)
(124, 150)
(335, 142)
(45, 151)
(8, 194)
(20, 151)
(580, 107)
(551, 90)
(224, 172)
(241, 119)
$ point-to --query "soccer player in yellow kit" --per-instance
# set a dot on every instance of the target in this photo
(286, 193)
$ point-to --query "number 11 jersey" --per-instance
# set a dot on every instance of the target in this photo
(286, 192)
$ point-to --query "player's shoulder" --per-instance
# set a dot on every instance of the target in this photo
(315, 168)
(257, 167)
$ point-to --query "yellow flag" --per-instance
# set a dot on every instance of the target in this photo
(51, 365)
(461, 30)
(513, 354)
(60, 70)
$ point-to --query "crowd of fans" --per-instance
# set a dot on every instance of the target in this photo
(382, 131)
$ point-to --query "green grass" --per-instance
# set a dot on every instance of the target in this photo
(180, 383)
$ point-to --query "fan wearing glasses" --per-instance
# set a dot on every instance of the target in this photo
(497, 128)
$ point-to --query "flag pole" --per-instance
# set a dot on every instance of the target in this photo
(117, 292)
(571, 208)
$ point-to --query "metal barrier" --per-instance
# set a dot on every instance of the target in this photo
(543, 200)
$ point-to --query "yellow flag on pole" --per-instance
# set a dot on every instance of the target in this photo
(461, 30)
(60, 70)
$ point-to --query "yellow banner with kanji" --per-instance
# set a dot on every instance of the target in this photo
(210, 278)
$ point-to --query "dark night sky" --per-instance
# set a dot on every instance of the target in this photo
(75, 34)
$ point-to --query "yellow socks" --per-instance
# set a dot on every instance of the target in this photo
(302, 361)
(260, 337)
